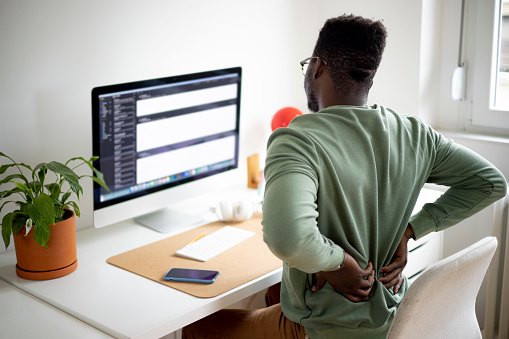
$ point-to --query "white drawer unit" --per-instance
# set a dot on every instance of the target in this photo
(422, 253)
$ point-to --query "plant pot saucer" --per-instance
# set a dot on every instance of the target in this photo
(45, 275)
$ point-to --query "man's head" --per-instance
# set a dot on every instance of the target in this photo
(351, 48)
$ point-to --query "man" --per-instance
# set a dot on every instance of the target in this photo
(341, 187)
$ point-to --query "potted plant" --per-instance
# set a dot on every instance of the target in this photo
(43, 222)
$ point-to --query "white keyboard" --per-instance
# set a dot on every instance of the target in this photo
(215, 243)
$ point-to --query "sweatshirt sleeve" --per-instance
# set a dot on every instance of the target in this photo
(289, 208)
(474, 183)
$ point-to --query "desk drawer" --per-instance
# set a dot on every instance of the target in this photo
(422, 253)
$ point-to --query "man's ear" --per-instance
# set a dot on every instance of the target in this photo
(319, 68)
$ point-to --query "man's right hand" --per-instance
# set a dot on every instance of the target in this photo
(350, 280)
(394, 271)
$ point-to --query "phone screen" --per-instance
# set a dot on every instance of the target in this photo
(184, 274)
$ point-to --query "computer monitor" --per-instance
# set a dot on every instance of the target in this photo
(160, 140)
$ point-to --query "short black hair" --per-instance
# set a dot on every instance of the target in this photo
(352, 46)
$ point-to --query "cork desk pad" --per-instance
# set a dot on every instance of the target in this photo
(238, 265)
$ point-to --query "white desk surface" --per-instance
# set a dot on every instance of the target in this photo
(121, 303)
(118, 302)
(23, 316)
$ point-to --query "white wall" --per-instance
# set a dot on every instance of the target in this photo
(54, 52)
(396, 83)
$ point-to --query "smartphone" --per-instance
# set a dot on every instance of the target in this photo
(191, 275)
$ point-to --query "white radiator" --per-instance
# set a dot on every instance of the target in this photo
(497, 298)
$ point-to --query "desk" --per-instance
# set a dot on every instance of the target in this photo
(118, 302)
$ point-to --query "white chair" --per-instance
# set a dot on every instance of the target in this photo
(440, 303)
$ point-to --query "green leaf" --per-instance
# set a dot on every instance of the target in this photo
(42, 175)
(65, 197)
(75, 207)
(6, 156)
(39, 166)
(7, 228)
(58, 204)
(68, 174)
(5, 203)
(54, 190)
(18, 223)
(41, 233)
(84, 161)
(24, 165)
(77, 189)
(59, 216)
(14, 162)
(99, 179)
(13, 176)
(20, 185)
(76, 158)
(42, 213)
(23, 208)
(34, 186)
(4, 168)
(41, 210)
(15, 190)
(62, 169)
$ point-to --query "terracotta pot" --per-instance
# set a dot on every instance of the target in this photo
(58, 259)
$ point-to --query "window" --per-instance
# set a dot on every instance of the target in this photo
(486, 55)
(501, 97)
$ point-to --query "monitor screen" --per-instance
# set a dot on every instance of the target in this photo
(158, 135)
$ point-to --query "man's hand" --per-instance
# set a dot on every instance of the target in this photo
(394, 272)
(350, 280)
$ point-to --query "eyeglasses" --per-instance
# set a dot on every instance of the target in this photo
(305, 63)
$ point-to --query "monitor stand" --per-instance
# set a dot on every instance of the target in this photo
(166, 220)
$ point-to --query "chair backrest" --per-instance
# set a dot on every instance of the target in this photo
(440, 303)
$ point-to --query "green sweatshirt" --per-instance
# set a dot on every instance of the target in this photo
(348, 178)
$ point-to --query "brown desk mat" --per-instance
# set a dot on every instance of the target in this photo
(240, 264)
